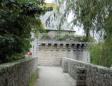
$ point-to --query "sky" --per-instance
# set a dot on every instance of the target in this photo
(48, 1)
(79, 30)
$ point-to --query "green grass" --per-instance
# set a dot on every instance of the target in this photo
(32, 79)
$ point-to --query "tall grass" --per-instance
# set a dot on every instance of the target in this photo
(101, 53)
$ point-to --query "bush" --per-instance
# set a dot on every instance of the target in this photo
(83, 39)
(76, 38)
(45, 36)
(66, 36)
(17, 18)
(60, 38)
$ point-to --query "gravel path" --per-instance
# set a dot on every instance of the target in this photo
(53, 76)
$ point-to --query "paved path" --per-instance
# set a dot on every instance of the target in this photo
(53, 76)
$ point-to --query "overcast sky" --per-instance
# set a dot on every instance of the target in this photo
(48, 1)
(79, 30)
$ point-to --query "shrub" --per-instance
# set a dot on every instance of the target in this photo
(60, 38)
(83, 39)
(66, 36)
(73, 37)
(45, 36)
(17, 21)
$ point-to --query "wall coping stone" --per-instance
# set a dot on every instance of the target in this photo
(11, 64)
(93, 65)
(87, 74)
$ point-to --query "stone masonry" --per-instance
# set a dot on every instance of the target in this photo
(51, 51)
(87, 74)
(17, 73)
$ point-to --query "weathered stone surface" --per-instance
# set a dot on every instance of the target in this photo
(17, 73)
(92, 75)
(51, 52)
(53, 76)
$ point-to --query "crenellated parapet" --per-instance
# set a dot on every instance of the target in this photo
(51, 49)
(59, 44)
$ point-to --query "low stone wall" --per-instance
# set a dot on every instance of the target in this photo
(17, 73)
(87, 74)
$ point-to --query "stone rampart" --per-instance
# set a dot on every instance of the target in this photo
(17, 73)
(51, 52)
(87, 74)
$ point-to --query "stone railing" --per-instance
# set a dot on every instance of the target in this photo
(87, 74)
(17, 73)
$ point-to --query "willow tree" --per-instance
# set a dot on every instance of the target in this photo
(95, 16)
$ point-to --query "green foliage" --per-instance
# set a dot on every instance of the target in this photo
(60, 38)
(83, 39)
(96, 15)
(45, 36)
(32, 79)
(68, 36)
(101, 53)
(95, 52)
(74, 37)
(17, 21)
(93, 15)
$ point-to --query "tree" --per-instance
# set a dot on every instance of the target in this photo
(96, 16)
(18, 18)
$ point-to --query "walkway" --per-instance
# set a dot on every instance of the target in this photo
(53, 76)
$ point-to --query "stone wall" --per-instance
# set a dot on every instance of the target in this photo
(17, 73)
(50, 53)
(87, 74)
(50, 56)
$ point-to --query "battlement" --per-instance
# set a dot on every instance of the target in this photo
(64, 44)
(52, 49)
